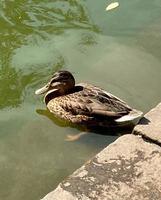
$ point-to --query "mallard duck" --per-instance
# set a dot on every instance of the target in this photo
(85, 104)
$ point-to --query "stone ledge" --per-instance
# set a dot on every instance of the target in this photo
(150, 125)
(129, 168)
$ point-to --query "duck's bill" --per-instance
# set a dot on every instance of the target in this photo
(42, 90)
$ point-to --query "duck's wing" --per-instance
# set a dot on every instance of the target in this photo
(91, 101)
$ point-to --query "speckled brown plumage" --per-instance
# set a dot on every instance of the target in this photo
(87, 104)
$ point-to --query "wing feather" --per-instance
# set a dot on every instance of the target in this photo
(91, 101)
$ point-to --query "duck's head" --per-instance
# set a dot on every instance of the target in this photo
(60, 83)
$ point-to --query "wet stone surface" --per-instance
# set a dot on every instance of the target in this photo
(129, 168)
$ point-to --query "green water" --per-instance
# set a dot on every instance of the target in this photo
(119, 50)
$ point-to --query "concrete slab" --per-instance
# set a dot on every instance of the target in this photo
(129, 168)
(150, 125)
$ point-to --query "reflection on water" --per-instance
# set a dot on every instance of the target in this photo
(117, 50)
(97, 130)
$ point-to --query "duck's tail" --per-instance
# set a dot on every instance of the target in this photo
(133, 118)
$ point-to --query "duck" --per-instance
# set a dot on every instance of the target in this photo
(85, 104)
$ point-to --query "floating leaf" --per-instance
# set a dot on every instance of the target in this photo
(112, 6)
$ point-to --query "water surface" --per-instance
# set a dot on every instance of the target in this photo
(118, 50)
